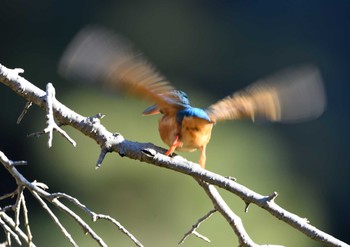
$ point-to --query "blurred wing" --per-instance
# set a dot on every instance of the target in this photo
(292, 95)
(97, 54)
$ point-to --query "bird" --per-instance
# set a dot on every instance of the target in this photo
(99, 54)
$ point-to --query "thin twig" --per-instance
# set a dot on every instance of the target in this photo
(54, 218)
(25, 109)
(9, 221)
(233, 219)
(9, 195)
(18, 203)
(200, 236)
(80, 221)
(119, 226)
(26, 221)
(195, 226)
(38, 191)
(9, 231)
(95, 216)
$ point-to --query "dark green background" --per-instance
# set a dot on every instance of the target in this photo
(209, 49)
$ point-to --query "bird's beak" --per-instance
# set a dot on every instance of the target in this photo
(152, 110)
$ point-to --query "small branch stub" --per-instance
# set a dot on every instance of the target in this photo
(101, 158)
(25, 109)
(272, 197)
(246, 208)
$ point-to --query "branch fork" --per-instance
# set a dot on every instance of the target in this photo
(195, 226)
(50, 120)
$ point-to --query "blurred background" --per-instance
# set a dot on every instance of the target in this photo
(208, 49)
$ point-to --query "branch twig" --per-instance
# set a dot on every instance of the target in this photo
(95, 216)
(37, 189)
(233, 219)
(55, 219)
(51, 124)
(24, 112)
(17, 232)
(195, 226)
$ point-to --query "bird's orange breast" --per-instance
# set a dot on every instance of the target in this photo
(168, 128)
(194, 133)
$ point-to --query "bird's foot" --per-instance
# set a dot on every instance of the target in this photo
(175, 145)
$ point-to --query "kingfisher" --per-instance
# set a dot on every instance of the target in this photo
(98, 54)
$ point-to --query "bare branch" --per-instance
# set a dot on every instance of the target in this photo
(9, 231)
(233, 219)
(18, 232)
(55, 219)
(194, 228)
(80, 221)
(95, 216)
(12, 194)
(119, 226)
(25, 109)
(51, 124)
(26, 221)
(198, 235)
(37, 189)
(17, 207)
(153, 155)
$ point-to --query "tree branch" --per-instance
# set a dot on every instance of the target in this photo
(194, 228)
(51, 124)
(11, 227)
(152, 154)
(233, 219)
